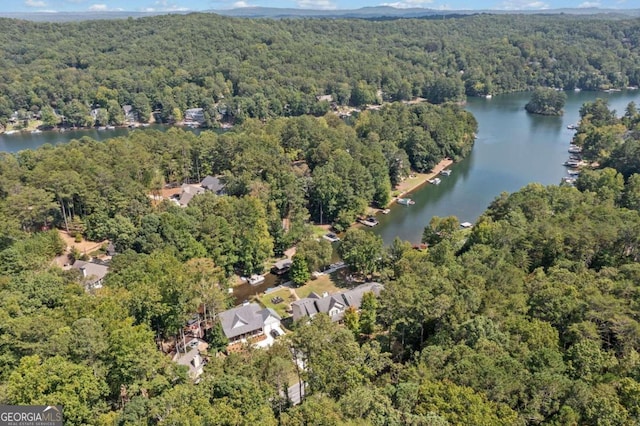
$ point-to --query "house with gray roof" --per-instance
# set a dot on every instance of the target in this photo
(188, 192)
(250, 320)
(333, 305)
(93, 273)
(213, 184)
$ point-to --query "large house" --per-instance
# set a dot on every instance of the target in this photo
(93, 273)
(250, 321)
(333, 305)
(209, 183)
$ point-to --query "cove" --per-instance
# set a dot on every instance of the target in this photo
(512, 149)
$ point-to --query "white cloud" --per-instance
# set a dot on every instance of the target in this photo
(98, 8)
(316, 4)
(35, 3)
(241, 3)
(522, 5)
(406, 4)
(165, 6)
(589, 4)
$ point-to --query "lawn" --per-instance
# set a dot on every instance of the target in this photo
(280, 308)
(319, 285)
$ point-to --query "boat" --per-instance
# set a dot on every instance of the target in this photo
(102, 128)
(110, 127)
(445, 172)
(577, 89)
(386, 211)
(434, 181)
(405, 201)
(11, 132)
(36, 131)
(573, 172)
(466, 225)
(573, 149)
(572, 126)
(571, 163)
(488, 96)
(369, 221)
(255, 279)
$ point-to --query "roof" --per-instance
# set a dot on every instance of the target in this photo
(192, 360)
(127, 109)
(309, 306)
(95, 272)
(244, 319)
(212, 183)
(194, 110)
(188, 192)
(282, 264)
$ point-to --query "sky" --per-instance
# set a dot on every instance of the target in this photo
(197, 5)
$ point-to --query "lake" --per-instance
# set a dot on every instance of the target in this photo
(26, 140)
(513, 148)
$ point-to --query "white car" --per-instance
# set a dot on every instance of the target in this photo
(331, 237)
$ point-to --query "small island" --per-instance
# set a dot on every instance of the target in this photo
(546, 101)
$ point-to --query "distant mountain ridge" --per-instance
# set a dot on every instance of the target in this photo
(276, 13)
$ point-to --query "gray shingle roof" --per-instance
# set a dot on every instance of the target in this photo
(244, 319)
(212, 183)
(94, 272)
(314, 304)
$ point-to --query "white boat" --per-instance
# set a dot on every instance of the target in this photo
(369, 221)
(405, 201)
(255, 279)
(110, 127)
(36, 131)
(434, 181)
(11, 132)
(488, 96)
(573, 149)
(572, 126)
(386, 211)
(466, 225)
(445, 172)
(102, 128)
(573, 172)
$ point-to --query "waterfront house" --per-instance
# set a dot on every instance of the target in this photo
(250, 322)
(130, 115)
(333, 305)
(194, 115)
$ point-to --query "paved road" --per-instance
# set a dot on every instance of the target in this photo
(294, 393)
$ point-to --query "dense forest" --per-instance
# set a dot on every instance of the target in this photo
(239, 68)
(291, 169)
(529, 318)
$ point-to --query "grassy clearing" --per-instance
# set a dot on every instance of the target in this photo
(319, 286)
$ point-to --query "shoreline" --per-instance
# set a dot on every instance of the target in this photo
(419, 180)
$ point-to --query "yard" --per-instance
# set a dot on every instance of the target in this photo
(286, 296)
(319, 285)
